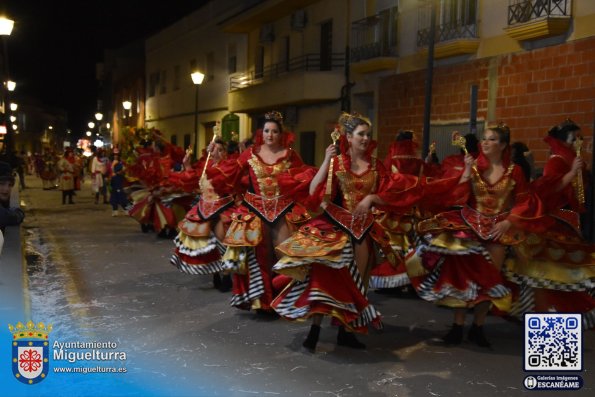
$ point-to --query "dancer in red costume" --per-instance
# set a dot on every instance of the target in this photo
(554, 271)
(330, 257)
(199, 243)
(159, 203)
(458, 263)
(403, 158)
(272, 178)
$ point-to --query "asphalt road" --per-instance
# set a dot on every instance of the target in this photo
(98, 278)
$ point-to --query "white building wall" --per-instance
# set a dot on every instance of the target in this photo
(192, 38)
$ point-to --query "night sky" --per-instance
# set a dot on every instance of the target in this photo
(55, 45)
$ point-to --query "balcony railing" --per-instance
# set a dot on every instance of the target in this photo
(307, 62)
(447, 32)
(521, 11)
(374, 36)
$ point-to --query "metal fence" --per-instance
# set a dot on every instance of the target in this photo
(520, 11)
(374, 36)
(306, 62)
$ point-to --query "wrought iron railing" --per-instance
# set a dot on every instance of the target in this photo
(447, 32)
(520, 11)
(307, 62)
(374, 36)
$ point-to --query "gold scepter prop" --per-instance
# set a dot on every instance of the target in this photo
(329, 179)
(215, 134)
(577, 182)
(460, 141)
(433, 147)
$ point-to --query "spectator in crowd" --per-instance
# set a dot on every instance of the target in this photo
(9, 216)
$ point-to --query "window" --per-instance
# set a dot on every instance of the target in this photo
(174, 140)
(176, 85)
(326, 45)
(187, 141)
(308, 146)
(163, 88)
(153, 83)
(458, 12)
(210, 72)
(285, 46)
(259, 63)
(232, 59)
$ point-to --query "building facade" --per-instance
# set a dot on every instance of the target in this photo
(529, 64)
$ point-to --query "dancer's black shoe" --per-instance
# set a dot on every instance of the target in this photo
(454, 336)
(347, 339)
(312, 339)
(476, 335)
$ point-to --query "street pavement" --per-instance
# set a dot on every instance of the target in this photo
(99, 278)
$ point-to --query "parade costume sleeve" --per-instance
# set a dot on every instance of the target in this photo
(452, 165)
(230, 175)
(545, 186)
(400, 191)
(296, 181)
(186, 180)
(441, 193)
(175, 152)
(528, 211)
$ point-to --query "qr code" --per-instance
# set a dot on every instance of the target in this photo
(553, 342)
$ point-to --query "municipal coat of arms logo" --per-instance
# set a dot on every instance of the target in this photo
(30, 351)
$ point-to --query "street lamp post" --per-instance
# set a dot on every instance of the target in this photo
(197, 79)
(6, 26)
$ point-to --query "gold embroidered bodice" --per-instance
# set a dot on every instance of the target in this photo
(353, 187)
(496, 198)
(266, 175)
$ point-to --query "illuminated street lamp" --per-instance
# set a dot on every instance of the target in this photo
(14, 107)
(11, 85)
(127, 105)
(6, 26)
(91, 124)
(197, 79)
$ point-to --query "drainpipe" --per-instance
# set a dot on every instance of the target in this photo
(428, 87)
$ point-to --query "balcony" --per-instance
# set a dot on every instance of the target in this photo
(302, 80)
(304, 63)
(451, 40)
(537, 19)
(374, 42)
(261, 12)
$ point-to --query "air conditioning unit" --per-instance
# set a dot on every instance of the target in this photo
(299, 19)
(267, 33)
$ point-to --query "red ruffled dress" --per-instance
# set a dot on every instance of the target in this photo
(554, 271)
(451, 266)
(399, 222)
(158, 201)
(320, 255)
(197, 249)
(270, 193)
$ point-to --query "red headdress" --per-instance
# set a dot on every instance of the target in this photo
(559, 148)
